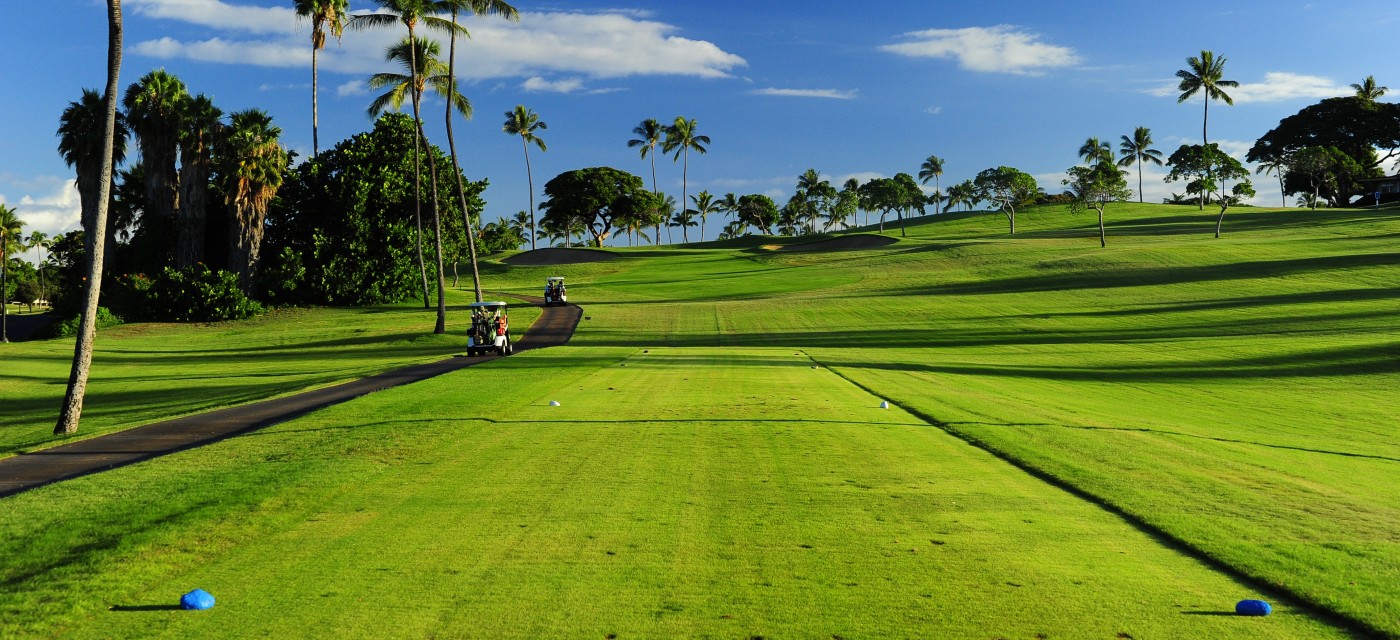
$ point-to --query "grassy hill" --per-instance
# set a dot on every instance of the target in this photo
(1083, 442)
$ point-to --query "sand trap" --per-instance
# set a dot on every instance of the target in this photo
(553, 256)
(844, 243)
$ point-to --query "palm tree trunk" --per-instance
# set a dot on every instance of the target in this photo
(441, 326)
(457, 168)
(1205, 147)
(315, 120)
(417, 178)
(1103, 241)
(4, 299)
(82, 349)
(654, 190)
(1140, 179)
(530, 180)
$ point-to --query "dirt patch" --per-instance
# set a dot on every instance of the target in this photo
(844, 243)
(553, 256)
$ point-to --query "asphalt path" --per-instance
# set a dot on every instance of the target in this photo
(554, 327)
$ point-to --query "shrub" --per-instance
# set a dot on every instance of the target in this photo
(69, 326)
(192, 294)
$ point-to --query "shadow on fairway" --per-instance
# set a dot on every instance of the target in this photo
(145, 607)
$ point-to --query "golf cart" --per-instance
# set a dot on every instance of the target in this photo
(555, 292)
(490, 329)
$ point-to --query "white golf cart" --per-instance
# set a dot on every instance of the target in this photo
(555, 292)
(490, 329)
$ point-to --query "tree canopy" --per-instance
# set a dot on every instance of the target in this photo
(597, 197)
(1005, 187)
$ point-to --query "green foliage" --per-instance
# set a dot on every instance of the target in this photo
(1356, 127)
(69, 326)
(498, 236)
(757, 211)
(596, 197)
(192, 294)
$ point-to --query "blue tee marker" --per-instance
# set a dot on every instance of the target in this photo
(1253, 608)
(197, 600)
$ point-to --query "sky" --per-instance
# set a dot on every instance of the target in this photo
(779, 86)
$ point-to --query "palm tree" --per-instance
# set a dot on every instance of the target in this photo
(932, 168)
(39, 240)
(475, 7)
(326, 16)
(11, 241)
(1094, 151)
(685, 219)
(819, 195)
(1139, 149)
(704, 206)
(409, 13)
(250, 162)
(681, 138)
(1277, 166)
(1367, 91)
(72, 408)
(197, 135)
(649, 134)
(80, 143)
(154, 106)
(1204, 75)
(524, 123)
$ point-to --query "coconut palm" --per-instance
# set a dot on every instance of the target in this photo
(72, 409)
(1094, 151)
(327, 16)
(471, 7)
(932, 168)
(685, 219)
(819, 195)
(1277, 166)
(1138, 149)
(1203, 75)
(80, 143)
(39, 240)
(11, 241)
(681, 138)
(524, 123)
(250, 161)
(154, 109)
(649, 134)
(705, 205)
(1367, 91)
(197, 135)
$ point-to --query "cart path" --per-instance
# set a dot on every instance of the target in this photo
(554, 327)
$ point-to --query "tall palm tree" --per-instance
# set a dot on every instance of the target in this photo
(524, 123)
(251, 161)
(197, 135)
(80, 143)
(1094, 151)
(649, 134)
(471, 7)
(154, 106)
(410, 13)
(11, 241)
(933, 168)
(1367, 91)
(819, 195)
(1138, 149)
(327, 16)
(1204, 75)
(681, 138)
(705, 205)
(1277, 166)
(72, 409)
(39, 240)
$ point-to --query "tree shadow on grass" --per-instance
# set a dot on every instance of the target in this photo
(145, 607)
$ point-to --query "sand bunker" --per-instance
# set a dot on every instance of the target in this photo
(553, 256)
(844, 243)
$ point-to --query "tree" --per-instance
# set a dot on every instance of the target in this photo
(11, 241)
(1367, 91)
(911, 197)
(201, 128)
(155, 106)
(1138, 149)
(1095, 151)
(1351, 125)
(597, 197)
(524, 123)
(818, 194)
(1278, 167)
(848, 201)
(758, 211)
(251, 162)
(685, 219)
(72, 409)
(649, 134)
(1206, 164)
(39, 240)
(327, 16)
(1094, 187)
(1204, 75)
(729, 204)
(704, 207)
(80, 139)
(680, 139)
(932, 168)
(897, 194)
(1005, 187)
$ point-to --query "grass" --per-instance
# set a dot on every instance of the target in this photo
(1219, 411)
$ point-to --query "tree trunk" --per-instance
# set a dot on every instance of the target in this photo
(652, 155)
(457, 168)
(315, 112)
(1140, 179)
(1218, 221)
(902, 232)
(441, 326)
(245, 242)
(1103, 240)
(194, 189)
(530, 178)
(4, 299)
(72, 409)
(417, 163)
(1011, 218)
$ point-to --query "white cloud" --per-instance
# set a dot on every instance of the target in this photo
(1000, 49)
(612, 44)
(933, 111)
(1278, 86)
(352, 88)
(537, 84)
(835, 94)
(51, 205)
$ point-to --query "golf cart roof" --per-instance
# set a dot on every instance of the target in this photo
(486, 305)
(553, 278)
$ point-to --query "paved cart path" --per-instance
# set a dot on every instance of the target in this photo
(554, 327)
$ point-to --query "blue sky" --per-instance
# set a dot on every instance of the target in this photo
(779, 86)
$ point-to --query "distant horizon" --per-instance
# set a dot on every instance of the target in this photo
(779, 87)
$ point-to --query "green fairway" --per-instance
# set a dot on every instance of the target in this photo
(1218, 412)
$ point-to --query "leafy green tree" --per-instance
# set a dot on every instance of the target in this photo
(327, 16)
(1005, 187)
(1350, 125)
(932, 168)
(1094, 187)
(758, 211)
(596, 196)
(1205, 75)
(11, 242)
(498, 236)
(80, 129)
(1208, 168)
(155, 107)
(1095, 151)
(197, 136)
(1328, 175)
(681, 138)
(1314, 164)
(892, 195)
(1367, 91)
(72, 409)
(1137, 150)
(524, 123)
(251, 161)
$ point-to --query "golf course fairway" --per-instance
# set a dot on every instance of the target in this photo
(1080, 443)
